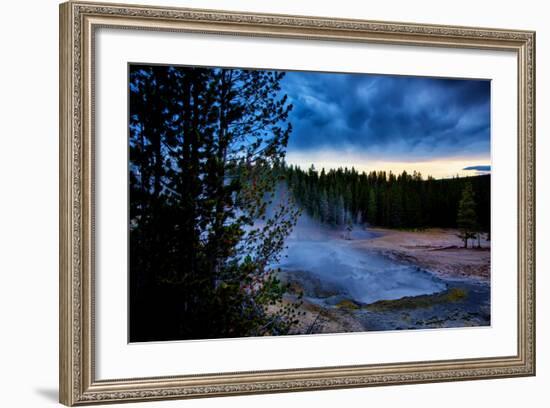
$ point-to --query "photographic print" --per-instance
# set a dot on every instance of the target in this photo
(266, 203)
(358, 196)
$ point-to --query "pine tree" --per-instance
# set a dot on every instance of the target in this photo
(396, 206)
(359, 218)
(324, 207)
(341, 211)
(466, 217)
(349, 227)
(205, 146)
(372, 208)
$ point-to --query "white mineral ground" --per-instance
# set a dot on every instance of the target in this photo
(439, 251)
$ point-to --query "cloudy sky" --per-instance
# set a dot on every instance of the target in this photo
(440, 127)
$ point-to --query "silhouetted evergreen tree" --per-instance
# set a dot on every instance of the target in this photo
(372, 207)
(466, 218)
(204, 148)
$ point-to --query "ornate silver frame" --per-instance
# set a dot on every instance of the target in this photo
(78, 22)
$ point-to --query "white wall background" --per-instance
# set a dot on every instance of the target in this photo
(29, 193)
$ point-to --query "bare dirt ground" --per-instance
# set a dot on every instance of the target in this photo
(438, 250)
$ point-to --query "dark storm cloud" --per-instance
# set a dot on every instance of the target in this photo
(389, 116)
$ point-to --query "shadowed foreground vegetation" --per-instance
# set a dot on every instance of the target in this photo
(203, 143)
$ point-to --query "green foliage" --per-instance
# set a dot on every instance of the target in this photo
(343, 196)
(467, 218)
(204, 144)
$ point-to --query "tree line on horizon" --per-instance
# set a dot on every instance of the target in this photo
(343, 197)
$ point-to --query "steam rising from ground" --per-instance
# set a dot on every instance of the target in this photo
(329, 266)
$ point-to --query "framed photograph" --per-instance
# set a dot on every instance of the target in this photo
(256, 203)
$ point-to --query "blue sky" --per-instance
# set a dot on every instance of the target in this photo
(437, 126)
